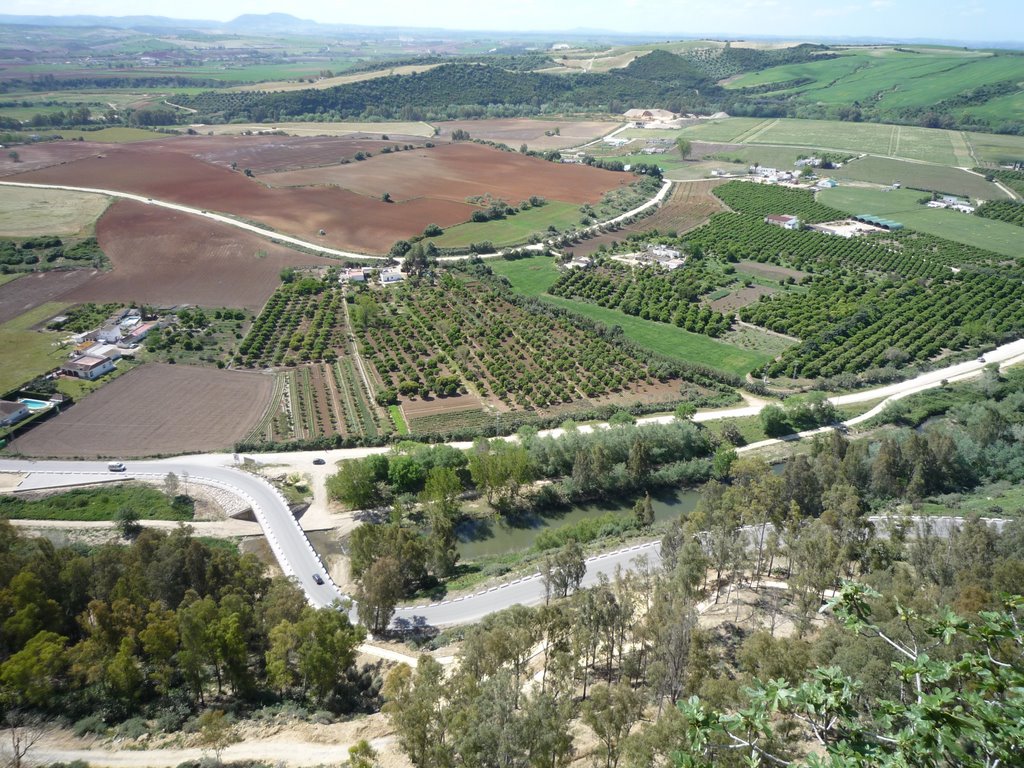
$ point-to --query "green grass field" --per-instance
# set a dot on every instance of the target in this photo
(512, 230)
(938, 178)
(532, 276)
(903, 206)
(998, 500)
(93, 504)
(890, 79)
(996, 149)
(26, 353)
(535, 275)
(928, 144)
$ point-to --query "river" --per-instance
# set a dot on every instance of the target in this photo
(480, 538)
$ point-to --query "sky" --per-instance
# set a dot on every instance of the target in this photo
(967, 20)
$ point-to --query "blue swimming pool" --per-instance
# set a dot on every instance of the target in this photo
(35, 405)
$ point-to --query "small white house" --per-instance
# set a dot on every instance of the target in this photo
(389, 276)
(87, 367)
(352, 276)
(784, 220)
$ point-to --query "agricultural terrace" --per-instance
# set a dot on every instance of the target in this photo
(346, 201)
(650, 292)
(170, 409)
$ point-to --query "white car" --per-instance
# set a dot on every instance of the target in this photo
(116, 466)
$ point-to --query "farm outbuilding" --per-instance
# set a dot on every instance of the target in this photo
(878, 221)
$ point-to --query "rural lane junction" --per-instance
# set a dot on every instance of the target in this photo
(300, 561)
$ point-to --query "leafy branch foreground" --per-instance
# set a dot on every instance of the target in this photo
(964, 712)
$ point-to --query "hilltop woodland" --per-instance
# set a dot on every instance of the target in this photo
(465, 87)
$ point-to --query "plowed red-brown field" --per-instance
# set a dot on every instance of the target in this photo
(430, 185)
(165, 258)
(155, 409)
(456, 171)
(266, 154)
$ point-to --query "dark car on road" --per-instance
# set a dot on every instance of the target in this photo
(319, 461)
(317, 578)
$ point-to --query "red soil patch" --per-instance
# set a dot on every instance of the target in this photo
(28, 292)
(454, 172)
(433, 183)
(268, 154)
(155, 409)
(32, 157)
(740, 298)
(165, 258)
(514, 132)
(420, 407)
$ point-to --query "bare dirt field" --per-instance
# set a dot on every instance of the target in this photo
(31, 157)
(453, 172)
(28, 292)
(155, 409)
(419, 129)
(431, 406)
(354, 217)
(165, 258)
(769, 271)
(516, 131)
(690, 205)
(32, 212)
(740, 298)
(269, 154)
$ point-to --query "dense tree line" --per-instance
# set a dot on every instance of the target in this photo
(1011, 211)
(162, 627)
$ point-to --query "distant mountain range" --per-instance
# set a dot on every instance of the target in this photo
(272, 24)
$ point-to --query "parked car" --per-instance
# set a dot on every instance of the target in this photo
(318, 579)
(319, 461)
(116, 466)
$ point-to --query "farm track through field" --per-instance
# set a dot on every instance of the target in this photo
(761, 130)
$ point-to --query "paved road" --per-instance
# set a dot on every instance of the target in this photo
(276, 236)
(289, 544)
(297, 557)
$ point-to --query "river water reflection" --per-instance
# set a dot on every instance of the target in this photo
(479, 538)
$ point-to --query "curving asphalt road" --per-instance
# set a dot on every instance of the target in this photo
(298, 558)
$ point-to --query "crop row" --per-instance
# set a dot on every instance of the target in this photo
(847, 327)
(295, 325)
(734, 236)
(1009, 211)
(766, 199)
(427, 338)
(648, 292)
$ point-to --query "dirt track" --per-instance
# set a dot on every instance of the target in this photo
(430, 186)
